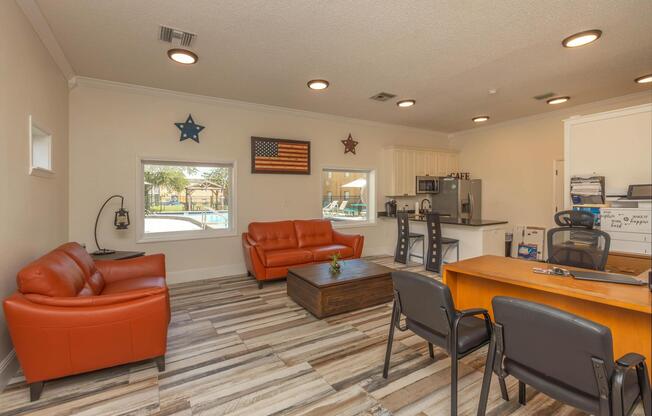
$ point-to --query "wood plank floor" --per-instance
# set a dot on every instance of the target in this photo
(237, 350)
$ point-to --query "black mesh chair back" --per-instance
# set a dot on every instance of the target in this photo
(424, 301)
(539, 339)
(576, 243)
(563, 356)
(434, 250)
(403, 238)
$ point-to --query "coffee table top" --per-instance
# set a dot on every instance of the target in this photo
(319, 274)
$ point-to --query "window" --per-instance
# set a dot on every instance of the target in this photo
(186, 200)
(40, 145)
(347, 195)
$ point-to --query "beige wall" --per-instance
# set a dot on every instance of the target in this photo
(34, 209)
(112, 126)
(515, 161)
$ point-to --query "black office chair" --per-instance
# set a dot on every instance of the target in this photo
(576, 243)
(430, 313)
(564, 357)
(406, 240)
(436, 242)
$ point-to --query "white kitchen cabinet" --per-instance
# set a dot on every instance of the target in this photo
(403, 165)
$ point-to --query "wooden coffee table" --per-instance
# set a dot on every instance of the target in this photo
(360, 284)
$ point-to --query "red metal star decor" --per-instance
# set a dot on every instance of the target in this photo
(349, 145)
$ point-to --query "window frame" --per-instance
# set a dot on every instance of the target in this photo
(371, 189)
(142, 237)
(40, 170)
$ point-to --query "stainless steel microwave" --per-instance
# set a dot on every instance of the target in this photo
(427, 185)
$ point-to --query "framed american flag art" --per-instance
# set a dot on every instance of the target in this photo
(280, 156)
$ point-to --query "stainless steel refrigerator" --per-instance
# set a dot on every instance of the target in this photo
(459, 198)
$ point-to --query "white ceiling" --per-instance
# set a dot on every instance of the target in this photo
(444, 54)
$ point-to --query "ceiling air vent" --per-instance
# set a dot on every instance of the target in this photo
(168, 33)
(382, 96)
(544, 96)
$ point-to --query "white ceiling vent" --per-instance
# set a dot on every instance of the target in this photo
(382, 96)
(168, 33)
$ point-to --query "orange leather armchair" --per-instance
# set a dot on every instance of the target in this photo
(72, 315)
(270, 248)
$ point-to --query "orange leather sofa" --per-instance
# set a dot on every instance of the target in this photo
(71, 315)
(270, 248)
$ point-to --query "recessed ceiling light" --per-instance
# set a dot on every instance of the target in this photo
(183, 56)
(645, 79)
(480, 119)
(582, 38)
(318, 84)
(406, 103)
(558, 100)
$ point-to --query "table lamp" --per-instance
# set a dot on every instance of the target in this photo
(120, 220)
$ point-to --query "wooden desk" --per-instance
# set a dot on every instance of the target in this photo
(625, 309)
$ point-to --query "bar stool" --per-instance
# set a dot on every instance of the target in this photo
(434, 256)
(406, 240)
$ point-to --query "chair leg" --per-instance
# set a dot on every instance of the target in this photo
(454, 383)
(390, 340)
(160, 363)
(486, 379)
(431, 351)
(260, 284)
(521, 393)
(35, 390)
(503, 388)
(644, 384)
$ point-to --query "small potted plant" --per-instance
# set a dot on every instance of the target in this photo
(335, 265)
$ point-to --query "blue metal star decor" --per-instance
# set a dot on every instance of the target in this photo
(189, 130)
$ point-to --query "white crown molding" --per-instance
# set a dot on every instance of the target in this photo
(206, 99)
(565, 113)
(33, 13)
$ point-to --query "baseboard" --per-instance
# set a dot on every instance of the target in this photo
(191, 275)
(8, 368)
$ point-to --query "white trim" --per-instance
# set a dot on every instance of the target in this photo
(142, 238)
(371, 191)
(586, 107)
(8, 368)
(605, 115)
(37, 170)
(205, 99)
(35, 16)
(191, 275)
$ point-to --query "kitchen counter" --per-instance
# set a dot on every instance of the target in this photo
(476, 237)
(450, 220)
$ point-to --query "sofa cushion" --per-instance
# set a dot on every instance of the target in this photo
(312, 233)
(273, 235)
(287, 257)
(85, 262)
(135, 283)
(323, 253)
(54, 274)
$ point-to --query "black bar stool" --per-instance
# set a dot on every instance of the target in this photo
(434, 256)
(406, 240)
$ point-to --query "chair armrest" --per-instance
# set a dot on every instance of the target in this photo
(355, 241)
(631, 359)
(100, 300)
(145, 266)
(254, 256)
(472, 312)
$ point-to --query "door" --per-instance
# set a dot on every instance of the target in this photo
(558, 186)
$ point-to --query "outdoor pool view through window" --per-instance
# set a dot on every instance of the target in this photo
(182, 198)
(345, 195)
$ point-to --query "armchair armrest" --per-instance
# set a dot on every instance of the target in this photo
(100, 300)
(631, 359)
(253, 255)
(146, 266)
(355, 241)
(473, 312)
